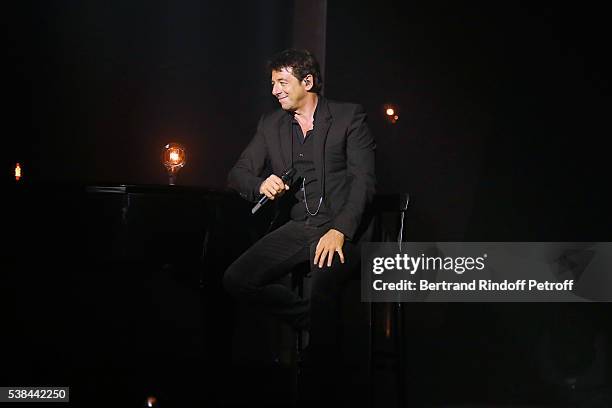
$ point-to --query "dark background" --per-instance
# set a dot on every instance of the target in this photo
(502, 107)
(502, 131)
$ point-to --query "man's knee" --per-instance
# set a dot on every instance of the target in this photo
(235, 282)
(232, 285)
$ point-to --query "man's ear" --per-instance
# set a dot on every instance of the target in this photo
(308, 82)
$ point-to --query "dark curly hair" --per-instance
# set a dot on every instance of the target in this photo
(302, 63)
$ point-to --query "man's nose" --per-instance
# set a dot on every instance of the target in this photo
(276, 90)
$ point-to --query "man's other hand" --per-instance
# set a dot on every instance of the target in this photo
(272, 187)
(331, 242)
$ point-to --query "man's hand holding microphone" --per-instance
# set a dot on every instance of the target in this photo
(273, 186)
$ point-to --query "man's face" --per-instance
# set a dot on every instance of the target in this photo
(290, 92)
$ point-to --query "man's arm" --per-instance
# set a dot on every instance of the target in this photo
(245, 176)
(360, 146)
(361, 177)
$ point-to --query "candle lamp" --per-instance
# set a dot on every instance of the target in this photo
(174, 159)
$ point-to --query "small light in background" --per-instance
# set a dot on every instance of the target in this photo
(151, 402)
(388, 311)
(391, 113)
(17, 172)
(174, 157)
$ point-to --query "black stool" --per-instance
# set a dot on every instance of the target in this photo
(393, 311)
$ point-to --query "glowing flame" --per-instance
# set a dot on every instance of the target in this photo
(17, 172)
(174, 156)
(390, 112)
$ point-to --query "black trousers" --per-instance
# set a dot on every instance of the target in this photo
(254, 278)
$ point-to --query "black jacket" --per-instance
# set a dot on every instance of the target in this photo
(343, 157)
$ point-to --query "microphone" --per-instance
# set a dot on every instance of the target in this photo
(286, 177)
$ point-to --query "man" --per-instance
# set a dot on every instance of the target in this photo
(330, 146)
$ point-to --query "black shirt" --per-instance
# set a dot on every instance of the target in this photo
(302, 148)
